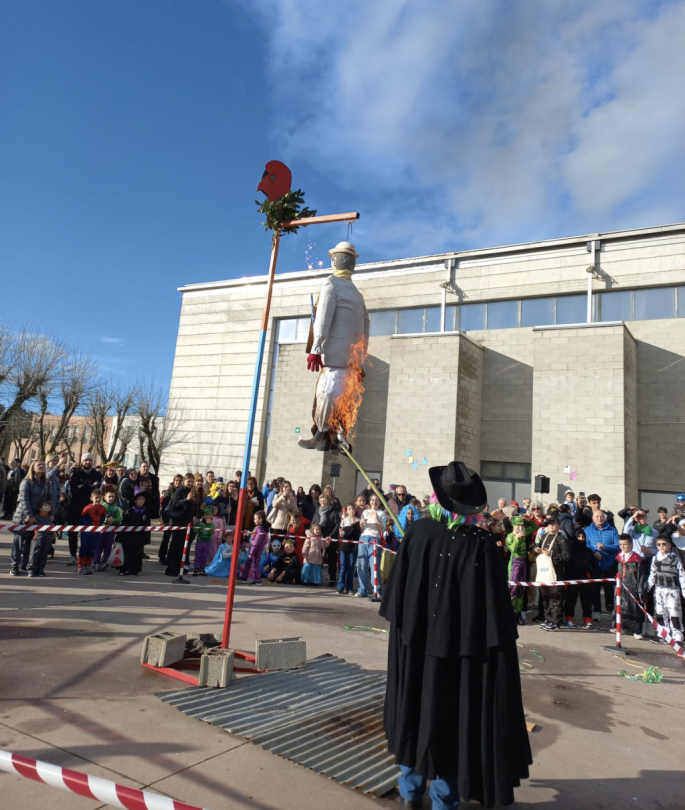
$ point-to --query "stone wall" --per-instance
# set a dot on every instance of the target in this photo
(584, 383)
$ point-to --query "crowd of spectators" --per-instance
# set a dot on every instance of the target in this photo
(292, 536)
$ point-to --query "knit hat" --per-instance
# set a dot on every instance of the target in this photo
(518, 520)
(87, 457)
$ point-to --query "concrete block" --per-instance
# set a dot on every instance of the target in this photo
(216, 668)
(280, 653)
(163, 649)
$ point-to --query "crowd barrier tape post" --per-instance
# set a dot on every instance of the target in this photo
(376, 585)
(90, 787)
(180, 580)
(661, 631)
(617, 647)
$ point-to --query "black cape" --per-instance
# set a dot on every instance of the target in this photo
(453, 704)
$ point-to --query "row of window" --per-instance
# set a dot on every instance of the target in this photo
(622, 305)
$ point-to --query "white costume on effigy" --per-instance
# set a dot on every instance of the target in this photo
(341, 321)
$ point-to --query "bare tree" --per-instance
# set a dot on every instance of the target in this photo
(20, 432)
(151, 402)
(75, 380)
(110, 399)
(31, 364)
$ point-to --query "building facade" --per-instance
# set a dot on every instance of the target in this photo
(483, 355)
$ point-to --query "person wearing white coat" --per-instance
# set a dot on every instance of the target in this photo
(342, 320)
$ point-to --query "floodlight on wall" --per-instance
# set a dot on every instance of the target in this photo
(594, 247)
(450, 266)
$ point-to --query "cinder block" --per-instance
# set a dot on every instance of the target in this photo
(280, 653)
(216, 668)
(163, 649)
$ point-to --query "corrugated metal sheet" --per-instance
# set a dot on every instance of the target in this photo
(327, 717)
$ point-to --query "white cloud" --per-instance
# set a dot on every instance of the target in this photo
(116, 340)
(462, 122)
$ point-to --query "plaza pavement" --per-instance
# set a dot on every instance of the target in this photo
(73, 693)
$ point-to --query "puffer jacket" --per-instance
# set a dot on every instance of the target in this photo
(313, 550)
(341, 320)
(282, 508)
(30, 497)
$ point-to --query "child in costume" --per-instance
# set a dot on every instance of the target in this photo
(106, 539)
(259, 542)
(220, 566)
(630, 571)
(269, 558)
(219, 530)
(243, 559)
(579, 567)
(133, 543)
(204, 533)
(94, 514)
(287, 567)
(312, 554)
(667, 577)
(517, 543)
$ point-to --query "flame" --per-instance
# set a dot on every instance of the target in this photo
(345, 408)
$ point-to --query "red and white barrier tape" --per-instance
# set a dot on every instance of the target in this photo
(91, 787)
(22, 527)
(561, 582)
(662, 632)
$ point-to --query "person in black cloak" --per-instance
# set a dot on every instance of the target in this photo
(453, 708)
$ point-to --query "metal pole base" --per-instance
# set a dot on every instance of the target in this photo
(374, 599)
(180, 581)
(617, 649)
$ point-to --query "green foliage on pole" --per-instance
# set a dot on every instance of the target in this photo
(287, 209)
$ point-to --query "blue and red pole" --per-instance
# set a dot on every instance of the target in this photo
(252, 417)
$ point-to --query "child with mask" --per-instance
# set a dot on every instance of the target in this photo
(220, 566)
(667, 577)
(287, 567)
(269, 558)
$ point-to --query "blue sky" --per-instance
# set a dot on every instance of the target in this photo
(133, 135)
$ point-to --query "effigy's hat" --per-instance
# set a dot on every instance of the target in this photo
(458, 488)
(344, 247)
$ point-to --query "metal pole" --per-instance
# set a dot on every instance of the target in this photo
(242, 497)
(180, 580)
(590, 274)
(618, 610)
(398, 525)
(376, 589)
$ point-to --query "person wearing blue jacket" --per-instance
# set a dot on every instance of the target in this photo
(602, 540)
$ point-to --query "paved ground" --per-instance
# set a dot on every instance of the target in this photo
(72, 693)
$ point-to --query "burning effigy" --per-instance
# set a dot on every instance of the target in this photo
(337, 350)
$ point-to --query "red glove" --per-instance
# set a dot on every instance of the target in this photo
(314, 362)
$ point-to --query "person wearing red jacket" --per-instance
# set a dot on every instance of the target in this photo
(94, 514)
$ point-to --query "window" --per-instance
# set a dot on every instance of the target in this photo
(503, 315)
(451, 318)
(654, 304)
(537, 311)
(571, 309)
(287, 331)
(410, 321)
(383, 323)
(505, 470)
(471, 316)
(614, 306)
(433, 315)
(293, 330)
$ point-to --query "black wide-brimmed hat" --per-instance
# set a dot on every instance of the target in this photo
(458, 488)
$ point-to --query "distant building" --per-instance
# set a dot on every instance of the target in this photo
(492, 361)
(78, 439)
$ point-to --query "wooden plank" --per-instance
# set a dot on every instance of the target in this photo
(322, 219)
